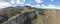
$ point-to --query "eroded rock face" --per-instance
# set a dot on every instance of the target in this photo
(41, 11)
(31, 17)
(25, 18)
(3, 19)
(21, 19)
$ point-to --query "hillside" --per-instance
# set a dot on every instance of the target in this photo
(10, 12)
(29, 15)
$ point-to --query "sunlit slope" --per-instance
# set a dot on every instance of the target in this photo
(51, 17)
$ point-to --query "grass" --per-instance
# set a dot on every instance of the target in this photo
(51, 17)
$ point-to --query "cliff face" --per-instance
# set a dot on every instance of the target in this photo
(11, 15)
(29, 15)
(24, 18)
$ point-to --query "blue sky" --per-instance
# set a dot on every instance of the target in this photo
(45, 2)
(33, 2)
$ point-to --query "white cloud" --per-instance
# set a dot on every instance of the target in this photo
(1, 7)
(52, 0)
(4, 4)
(20, 1)
(38, 1)
(12, 2)
(37, 6)
(29, 5)
(50, 6)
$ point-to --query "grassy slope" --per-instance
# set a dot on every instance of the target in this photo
(51, 17)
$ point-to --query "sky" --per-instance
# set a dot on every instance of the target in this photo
(32, 3)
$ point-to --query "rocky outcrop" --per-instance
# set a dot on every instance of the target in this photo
(13, 15)
(25, 18)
